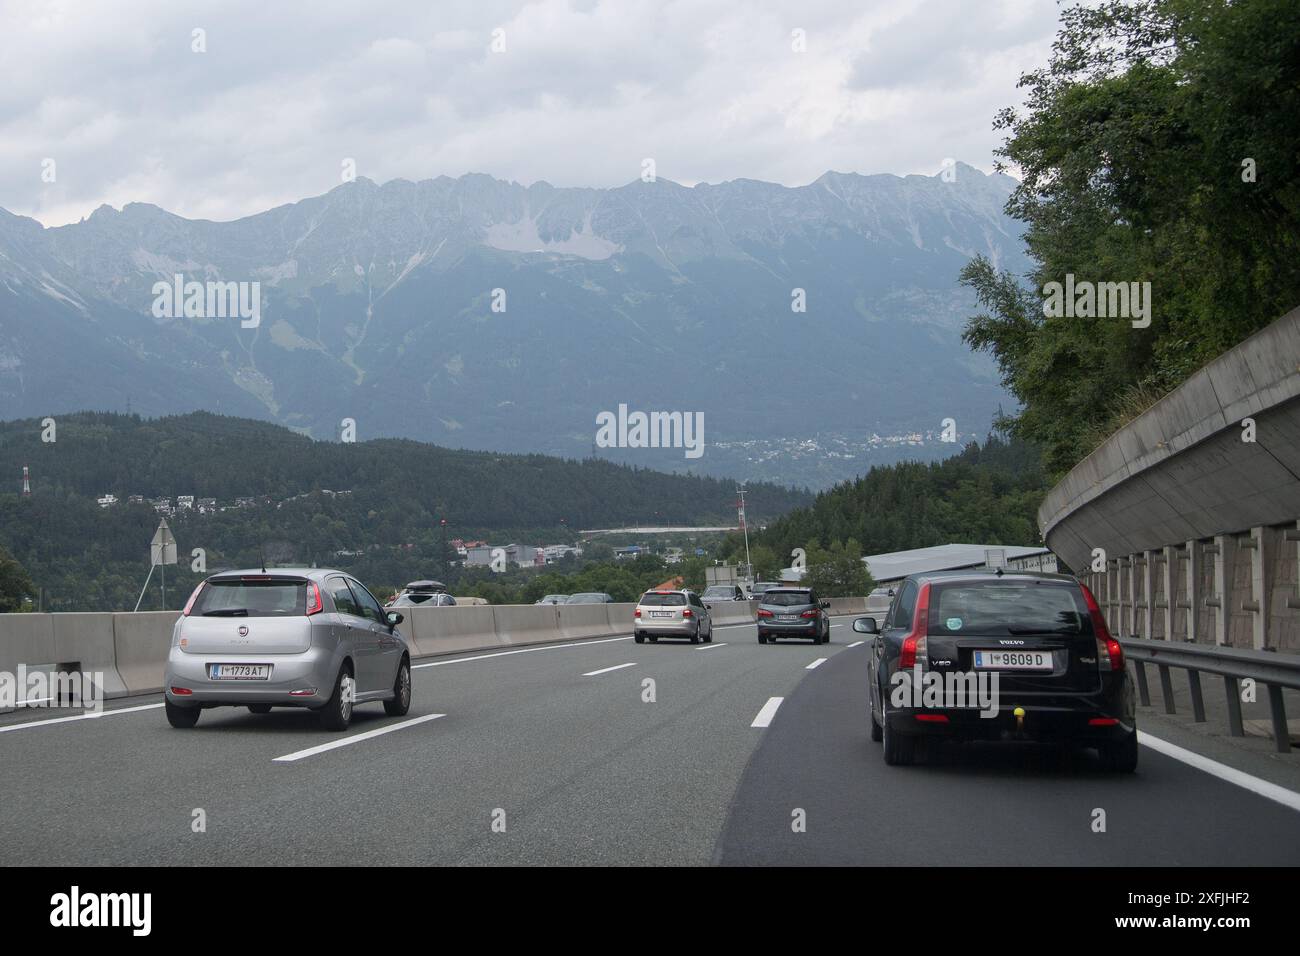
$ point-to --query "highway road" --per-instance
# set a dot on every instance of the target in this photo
(551, 755)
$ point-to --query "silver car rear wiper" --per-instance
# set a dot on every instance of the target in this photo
(227, 612)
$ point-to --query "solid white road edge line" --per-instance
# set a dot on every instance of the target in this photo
(606, 670)
(1270, 791)
(355, 738)
(92, 715)
(768, 712)
(817, 663)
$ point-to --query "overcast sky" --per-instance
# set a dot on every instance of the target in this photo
(116, 96)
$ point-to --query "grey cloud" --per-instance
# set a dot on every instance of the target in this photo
(710, 89)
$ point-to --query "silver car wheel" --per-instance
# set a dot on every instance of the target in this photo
(348, 688)
(404, 685)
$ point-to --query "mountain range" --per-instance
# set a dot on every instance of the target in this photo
(484, 314)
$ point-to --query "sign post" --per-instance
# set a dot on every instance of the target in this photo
(162, 552)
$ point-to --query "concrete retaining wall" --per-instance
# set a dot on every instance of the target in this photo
(1192, 511)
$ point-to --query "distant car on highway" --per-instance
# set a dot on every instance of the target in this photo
(420, 592)
(289, 637)
(792, 612)
(724, 592)
(553, 599)
(590, 597)
(423, 599)
(672, 613)
(758, 587)
(1060, 674)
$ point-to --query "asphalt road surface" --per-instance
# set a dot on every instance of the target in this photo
(553, 755)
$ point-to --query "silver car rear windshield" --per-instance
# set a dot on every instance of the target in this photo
(1008, 608)
(787, 598)
(251, 597)
(663, 600)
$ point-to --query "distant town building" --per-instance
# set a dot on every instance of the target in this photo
(185, 503)
(107, 500)
(207, 506)
(522, 555)
(135, 499)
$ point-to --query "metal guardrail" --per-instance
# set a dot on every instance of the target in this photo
(1275, 671)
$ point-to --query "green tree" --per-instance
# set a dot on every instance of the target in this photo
(838, 571)
(1157, 145)
(16, 587)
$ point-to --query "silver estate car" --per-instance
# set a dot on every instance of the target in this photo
(288, 637)
(664, 613)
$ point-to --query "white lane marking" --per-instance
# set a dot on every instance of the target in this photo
(1270, 791)
(856, 644)
(606, 670)
(839, 625)
(768, 712)
(521, 650)
(709, 647)
(817, 663)
(88, 716)
(355, 739)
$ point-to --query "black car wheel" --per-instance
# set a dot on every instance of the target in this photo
(1121, 757)
(182, 717)
(639, 637)
(900, 750)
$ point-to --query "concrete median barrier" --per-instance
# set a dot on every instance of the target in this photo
(141, 642)
(732, 612)
(86, 643)
(442, 630)
(848, 605)
(527, 623)
(594, 620)
(130, 649)
(26, 639)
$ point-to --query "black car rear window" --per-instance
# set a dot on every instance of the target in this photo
(787, 598)
(241, 597)
(663, 600)
(1007, 607)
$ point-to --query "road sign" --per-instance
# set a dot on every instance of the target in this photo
(162, 549)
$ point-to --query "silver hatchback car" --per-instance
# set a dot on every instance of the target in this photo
(287, 637)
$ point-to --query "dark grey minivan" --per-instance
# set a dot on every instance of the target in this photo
(793, 612)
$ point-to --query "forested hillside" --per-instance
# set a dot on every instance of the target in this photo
(379, 502)
(988, 494)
